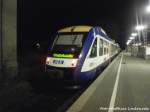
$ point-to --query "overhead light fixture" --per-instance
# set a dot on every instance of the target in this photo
(134, 34)
(128, 42)
(140, 27)
(131, 38)
(148, 9)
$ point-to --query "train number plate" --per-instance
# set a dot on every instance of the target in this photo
(58, 61)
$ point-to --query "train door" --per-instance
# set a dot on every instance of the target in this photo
(100, 51)
(106, 51)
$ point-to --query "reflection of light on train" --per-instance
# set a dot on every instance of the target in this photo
(78, 52)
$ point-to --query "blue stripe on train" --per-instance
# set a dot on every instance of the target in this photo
(83, 76)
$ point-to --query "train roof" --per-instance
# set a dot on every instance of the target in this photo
(76, 29)
(84, 28)
(104, 34)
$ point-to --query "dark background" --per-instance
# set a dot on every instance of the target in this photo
(38, 20)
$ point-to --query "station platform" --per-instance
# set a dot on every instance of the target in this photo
(124, 86)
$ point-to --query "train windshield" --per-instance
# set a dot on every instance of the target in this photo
(69, 43)
(70, 39)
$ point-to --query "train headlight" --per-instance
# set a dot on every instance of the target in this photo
(74, 62)
(48, 60)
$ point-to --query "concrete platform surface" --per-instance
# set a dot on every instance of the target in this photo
(124, 86)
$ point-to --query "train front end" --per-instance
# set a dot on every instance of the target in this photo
(63, 59)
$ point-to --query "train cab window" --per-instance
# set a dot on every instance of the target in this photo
(69, 43)
(100, 47)
(94, 50)
(70, 39)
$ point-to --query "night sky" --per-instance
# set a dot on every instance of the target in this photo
(38, 20)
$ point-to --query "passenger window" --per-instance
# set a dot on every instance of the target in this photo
(105, 52)
(94, 50)
(101, 47)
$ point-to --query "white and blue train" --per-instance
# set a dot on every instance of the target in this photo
(78, 52)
